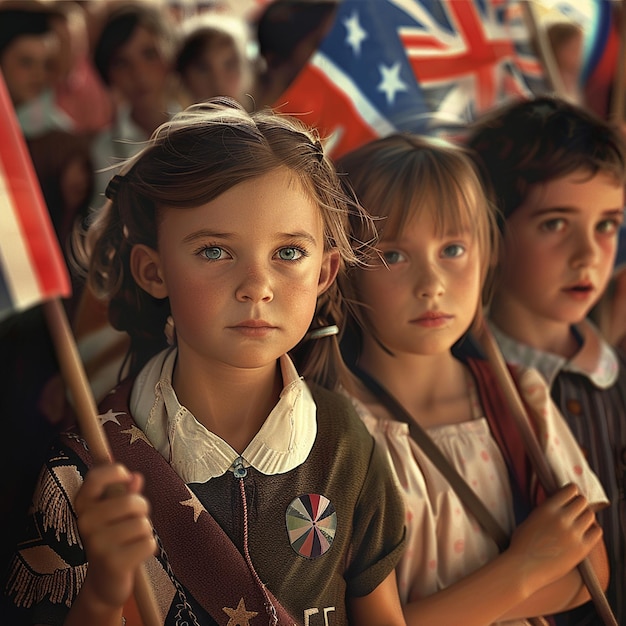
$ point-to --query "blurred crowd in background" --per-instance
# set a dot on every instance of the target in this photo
(89, 80)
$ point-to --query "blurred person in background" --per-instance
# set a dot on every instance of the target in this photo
(28, 46)
(78, 89)
(133, 55)
(215, 58)
(62, 162)
(288, 33)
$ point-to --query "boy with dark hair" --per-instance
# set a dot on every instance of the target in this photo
(557, 174)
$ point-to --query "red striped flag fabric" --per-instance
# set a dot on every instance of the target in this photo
(32, 267)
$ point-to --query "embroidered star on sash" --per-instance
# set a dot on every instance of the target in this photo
(110, 416)
(195, 504)
(239, 616)
(136, 434)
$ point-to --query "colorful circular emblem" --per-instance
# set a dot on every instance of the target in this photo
(311, 524)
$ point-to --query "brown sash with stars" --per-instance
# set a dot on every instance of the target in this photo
(201, 554)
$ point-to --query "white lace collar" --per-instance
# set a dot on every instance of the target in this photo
(283, 442)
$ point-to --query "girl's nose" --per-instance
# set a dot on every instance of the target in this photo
(255, 286)
(428, 283)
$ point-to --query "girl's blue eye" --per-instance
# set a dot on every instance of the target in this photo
(392, 257)
(290, 254)
(213, 253)
(454, 250)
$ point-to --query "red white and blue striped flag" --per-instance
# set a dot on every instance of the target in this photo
(32, 267)
(424, 66)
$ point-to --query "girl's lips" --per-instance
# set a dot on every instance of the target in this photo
(253, 328)
(253, 324)
(432, 319)
(431, 315)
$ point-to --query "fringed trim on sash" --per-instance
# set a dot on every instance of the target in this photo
(76, 437)
(55, 507)
(28, 588)
(183, 608)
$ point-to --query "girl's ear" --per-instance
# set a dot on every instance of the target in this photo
(328, 271)
(145, 266)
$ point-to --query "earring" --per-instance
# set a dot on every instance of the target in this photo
(170, 331)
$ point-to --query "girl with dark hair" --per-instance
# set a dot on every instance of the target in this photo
(268, 497)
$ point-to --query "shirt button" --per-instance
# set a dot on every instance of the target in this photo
(574, 407)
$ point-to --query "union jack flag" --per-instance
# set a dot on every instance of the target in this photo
(424, 66)
(32, 268)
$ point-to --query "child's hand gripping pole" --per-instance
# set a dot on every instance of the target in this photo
(86, 411)
(538, 460)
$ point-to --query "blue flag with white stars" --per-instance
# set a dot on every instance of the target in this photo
(423, 66)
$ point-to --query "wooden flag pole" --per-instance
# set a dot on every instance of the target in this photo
(538, 459)
(93, 433)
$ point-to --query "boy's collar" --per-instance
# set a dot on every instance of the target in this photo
(595, 359)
